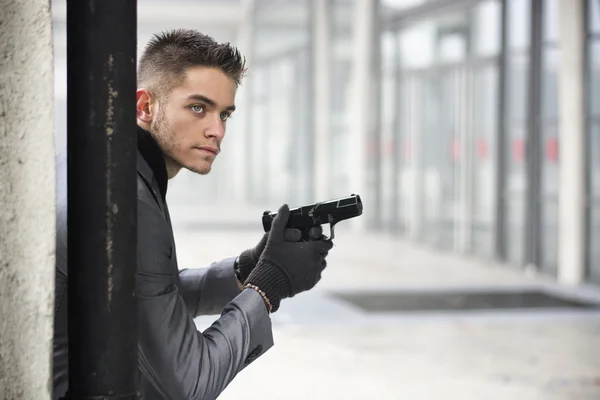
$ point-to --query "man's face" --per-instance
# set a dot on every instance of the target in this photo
(190, 123)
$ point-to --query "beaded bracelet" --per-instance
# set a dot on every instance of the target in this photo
(262, 294)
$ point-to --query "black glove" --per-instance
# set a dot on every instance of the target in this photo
(287, 268)
(248, 259)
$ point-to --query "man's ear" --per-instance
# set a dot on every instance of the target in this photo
(143, 107)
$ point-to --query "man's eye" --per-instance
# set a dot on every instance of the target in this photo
(197, 109)
(225, 116)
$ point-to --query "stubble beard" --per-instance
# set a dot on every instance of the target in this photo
(165, 137)
(161, 132)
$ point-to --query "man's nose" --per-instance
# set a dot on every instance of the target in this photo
(216, 128)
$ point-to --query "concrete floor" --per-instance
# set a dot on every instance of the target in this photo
(327, 349)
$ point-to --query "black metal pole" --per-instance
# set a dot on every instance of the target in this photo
(532, 227)
(501, 134)
(102, 207)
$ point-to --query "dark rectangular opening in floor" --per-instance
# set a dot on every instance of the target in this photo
(385, 301)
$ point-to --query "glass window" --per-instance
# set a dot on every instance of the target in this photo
(388, 97)
(401, 4)
(519, 24)
(341, 37)
(487, 28)
(516, 102)
(549, 197)
(485, 112)
(594, 218)
(389, 49)
(594, 143)
(417, 45)
(388, 104)
(260, 81)
(550, 158)
(452, 47)
(549, 237)
(406, 109)
(593, 248)
(551, 21)
(280, 102)
(549, 88)
(516, 90)
(594, 16)
(340, 85)
(594, 159)
(259, 165)
(515, 230)
(341, 19)
(274, 42)
(451, 37)
(281, 30)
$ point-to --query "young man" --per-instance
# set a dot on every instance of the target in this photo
(186, 92)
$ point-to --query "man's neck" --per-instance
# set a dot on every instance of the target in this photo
(172, 167)
(154, 156)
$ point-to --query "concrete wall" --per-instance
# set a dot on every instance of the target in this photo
(27, 195)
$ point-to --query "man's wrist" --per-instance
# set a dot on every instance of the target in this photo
(262, 294)
(272, 281)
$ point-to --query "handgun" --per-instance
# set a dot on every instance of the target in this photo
(307, 218)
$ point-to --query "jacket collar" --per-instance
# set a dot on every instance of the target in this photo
(151, 163)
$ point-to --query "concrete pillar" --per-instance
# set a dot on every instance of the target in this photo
(572, 187)
(322, 101)
(363, 115)
(27, 195)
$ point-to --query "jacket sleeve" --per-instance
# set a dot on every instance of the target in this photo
(206, 291)
(180, 361)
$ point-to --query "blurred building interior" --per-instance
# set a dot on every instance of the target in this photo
(449, 118)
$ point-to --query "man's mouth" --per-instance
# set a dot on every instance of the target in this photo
(209, 149)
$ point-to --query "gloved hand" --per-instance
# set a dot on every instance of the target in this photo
(287, 268)
(248, 259)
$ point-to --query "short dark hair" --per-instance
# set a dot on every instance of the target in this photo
(169, 54)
